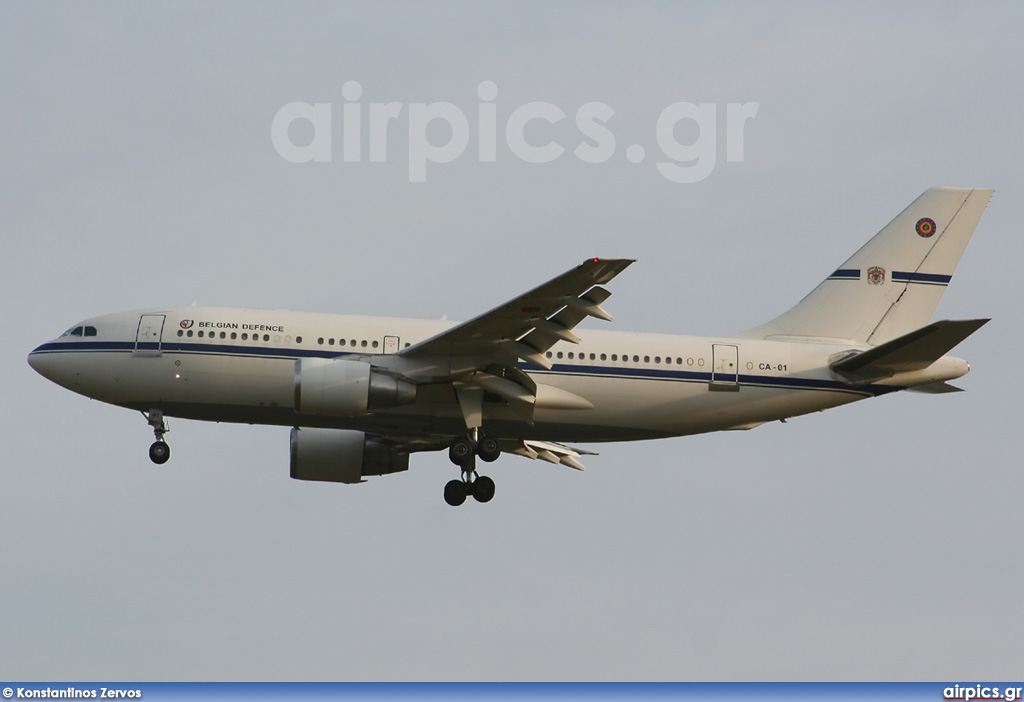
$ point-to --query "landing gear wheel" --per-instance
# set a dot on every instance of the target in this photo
(461, 451)
(455, 492)
(159, 452)
(483, 489)
(488, 449)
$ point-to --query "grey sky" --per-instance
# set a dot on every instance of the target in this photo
(876, 541)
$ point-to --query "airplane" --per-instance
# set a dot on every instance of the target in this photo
(363, 393)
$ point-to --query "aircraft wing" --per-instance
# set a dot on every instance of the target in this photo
(527, 326)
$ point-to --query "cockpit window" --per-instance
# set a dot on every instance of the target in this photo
(80, 331)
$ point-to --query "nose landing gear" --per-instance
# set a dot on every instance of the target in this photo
(463, 453)
(159, 452)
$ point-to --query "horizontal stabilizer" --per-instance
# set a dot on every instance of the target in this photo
(936, 388)
(910, 352)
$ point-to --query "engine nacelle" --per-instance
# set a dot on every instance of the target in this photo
(337, 387)
(342, 456)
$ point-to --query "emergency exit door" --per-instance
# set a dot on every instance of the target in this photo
(149, 336)
(725, 367)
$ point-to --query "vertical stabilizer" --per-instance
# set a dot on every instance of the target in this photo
(893, 284)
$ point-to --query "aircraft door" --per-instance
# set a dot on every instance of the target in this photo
(391, 344)
(725, 366)
(149, 336)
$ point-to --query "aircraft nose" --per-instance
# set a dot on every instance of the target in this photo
(35, 359)
(46, 364)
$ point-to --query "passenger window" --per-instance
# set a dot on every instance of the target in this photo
(330, 342)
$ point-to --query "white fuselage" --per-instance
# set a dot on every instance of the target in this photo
(237, 365)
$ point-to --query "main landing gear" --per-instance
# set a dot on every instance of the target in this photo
(463, 453)
(159, 452)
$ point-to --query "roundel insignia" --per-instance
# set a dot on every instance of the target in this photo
(185, 324)
(531, 309)
(926, 227)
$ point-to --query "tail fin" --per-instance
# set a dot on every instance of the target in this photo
(893, 284)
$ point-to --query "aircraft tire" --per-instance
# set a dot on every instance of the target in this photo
(455, 492)
(483, 489)
(159, 452)
(460, 451)
(488, 449)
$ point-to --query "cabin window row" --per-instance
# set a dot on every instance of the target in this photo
(624, 358)
(245, 336)
(233, 336)
(348, 342)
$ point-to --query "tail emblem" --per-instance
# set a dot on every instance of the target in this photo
(876, 274)
(925, 227)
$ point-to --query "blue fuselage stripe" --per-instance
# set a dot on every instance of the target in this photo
(562, 369)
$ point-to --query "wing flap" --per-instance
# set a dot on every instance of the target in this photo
(558, 454)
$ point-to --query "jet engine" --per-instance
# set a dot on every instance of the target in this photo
(342, 456)
(337, 387)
